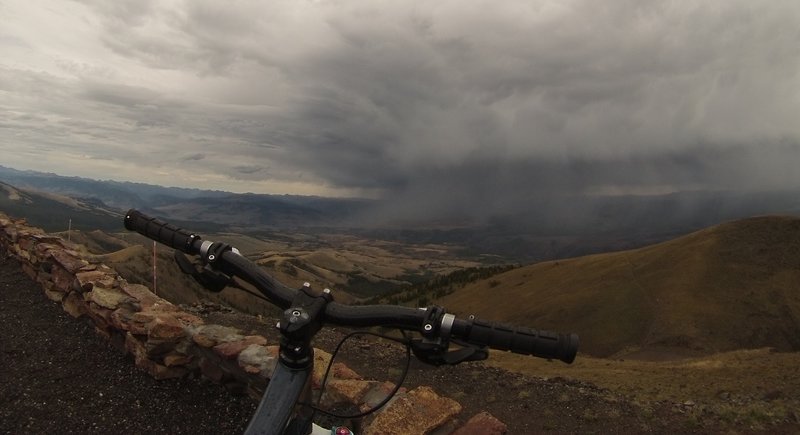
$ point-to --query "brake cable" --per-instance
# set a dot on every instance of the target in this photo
(405, 341)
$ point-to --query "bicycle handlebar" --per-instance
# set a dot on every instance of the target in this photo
(161, 232)
(526, 341)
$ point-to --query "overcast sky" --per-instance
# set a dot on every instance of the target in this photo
(435, 102)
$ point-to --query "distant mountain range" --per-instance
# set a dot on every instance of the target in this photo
(539, 229)
(253, 211)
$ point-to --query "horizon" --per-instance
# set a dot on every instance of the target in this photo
(434, 106)
(599, 193)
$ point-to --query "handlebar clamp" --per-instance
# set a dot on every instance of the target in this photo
(215, 251)
(432, 323)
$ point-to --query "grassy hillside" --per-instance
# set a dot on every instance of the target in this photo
(53, 212)
(353, 267)
(732, 286)
(362, 267)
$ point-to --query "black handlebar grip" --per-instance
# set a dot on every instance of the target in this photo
(159, 231)
(544, 344)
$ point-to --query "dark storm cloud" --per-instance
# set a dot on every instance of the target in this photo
(447, 104)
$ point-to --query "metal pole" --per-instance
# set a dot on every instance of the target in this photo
(155, 291)
(69, 231)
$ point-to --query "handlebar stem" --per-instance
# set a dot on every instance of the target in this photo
(299, 323)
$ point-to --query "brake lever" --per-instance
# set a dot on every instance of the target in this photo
(212, 280)
(435, 354)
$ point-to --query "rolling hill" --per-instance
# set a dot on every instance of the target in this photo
(353, 267)
(731, 286)
(538, 228)
(52, 212)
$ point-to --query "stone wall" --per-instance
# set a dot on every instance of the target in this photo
(167, 342)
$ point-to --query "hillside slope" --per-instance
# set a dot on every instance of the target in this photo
(731, 286)
(53, 212)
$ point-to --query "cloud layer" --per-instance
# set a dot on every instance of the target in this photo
(441, 105)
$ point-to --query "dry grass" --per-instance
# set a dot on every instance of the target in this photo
(323, 260)
(736, 387)
(728, 287)
(334, 260)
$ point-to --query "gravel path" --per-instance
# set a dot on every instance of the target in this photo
(58, 376)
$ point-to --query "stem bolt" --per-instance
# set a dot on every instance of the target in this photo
(428, 327)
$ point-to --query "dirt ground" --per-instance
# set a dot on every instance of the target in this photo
(58, 376)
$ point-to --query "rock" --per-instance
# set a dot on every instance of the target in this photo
(25, 243)
(144, 317)
(29, 270)
(378, 394)
(122, 318)
(89, 267)
(158, 348)
(90, 279)
(68, 260)
(341, 371)
(349, 391)
(45, 239)
(11, 233)
(232, 349)
(211, 370)
(177, 359)
(212, 335)
(106, 298)
(135, 347)
(482, 424)
(321, 361)
(62, 278)
(159, 371)
(138, 349)
(138, 322)
(54, 296)
(43, 251)
(142, 294)
(45, 280)
(257, 359)
(74, 305)
(100, 315)
(188, 320)
(165, 327)
(421, 410)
